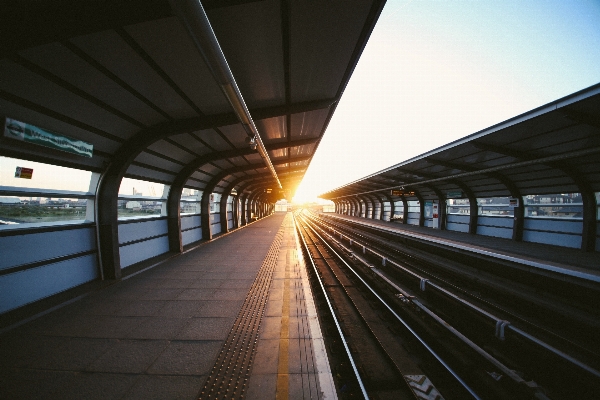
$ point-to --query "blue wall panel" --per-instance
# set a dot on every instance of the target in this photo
(192, 221)
(501, 227)
(25, 249)
(413, 218)
(557, 239)
(553, 225)
(452, 226)
(566, 233)
(215, 228)
(459, 219)
(191, 236)
(495, 231)
(27, 286)
(136, 252)
(458, 223)
(214, 218)
(505, 222)
(141, 230)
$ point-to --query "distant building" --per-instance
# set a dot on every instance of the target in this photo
(9, 200)
(133, 205)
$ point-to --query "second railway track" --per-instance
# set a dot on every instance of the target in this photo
(478, 370)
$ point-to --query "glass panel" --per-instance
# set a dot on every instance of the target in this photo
(22, 210)
(214, 203)
(135, 208)
(414, 206)
(136, 187)
(190, 201)
(597, 206)
(189, 207)
(191, 194)
(398, 211)
(44, 176)
(495, 206)
(565, 205)
(458, 206)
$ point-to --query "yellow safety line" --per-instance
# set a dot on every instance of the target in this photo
(283, 367)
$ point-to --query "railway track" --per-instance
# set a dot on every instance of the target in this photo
(360, 310)
(490, 336)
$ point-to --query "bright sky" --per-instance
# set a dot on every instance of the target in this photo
(435, 71)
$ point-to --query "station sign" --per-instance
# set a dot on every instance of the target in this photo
(32, 134)
(513, 202)
(402, 193)
(454, 195)
(25, 173)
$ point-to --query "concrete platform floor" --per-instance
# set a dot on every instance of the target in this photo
(157, 334)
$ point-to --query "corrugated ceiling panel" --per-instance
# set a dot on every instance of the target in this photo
(271, 128)
(253, 158)
(213, 139)
(190, 143)
(237, 161)
(110, 50)
(255, 56)
(148, 174)
(320, 49)
(223, 164)
(65, 64)
(172, 151)
(210, 169)
(201, 176)
(302, 150)
(278, 153)
(308, 124)
(235, 134)
(169, 44)
(158, 162)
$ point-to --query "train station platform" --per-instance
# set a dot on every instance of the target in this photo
(234, 315)
(573, 262)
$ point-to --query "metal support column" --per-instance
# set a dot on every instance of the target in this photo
(223, 213)
(404, 210)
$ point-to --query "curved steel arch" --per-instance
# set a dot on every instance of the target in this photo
(210, 186)
(254, 179)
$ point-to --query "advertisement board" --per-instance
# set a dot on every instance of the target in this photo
(32, 134)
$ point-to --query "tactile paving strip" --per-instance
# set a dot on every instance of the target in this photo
(229, 376)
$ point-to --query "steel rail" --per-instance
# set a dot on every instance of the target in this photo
(415, 334)
(332, 312)
(489, 315)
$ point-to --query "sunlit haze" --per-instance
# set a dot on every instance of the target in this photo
(436, 71)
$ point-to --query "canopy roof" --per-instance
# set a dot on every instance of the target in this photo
(552, 149)
(126, 76)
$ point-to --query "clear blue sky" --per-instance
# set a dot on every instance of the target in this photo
(437, 70)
